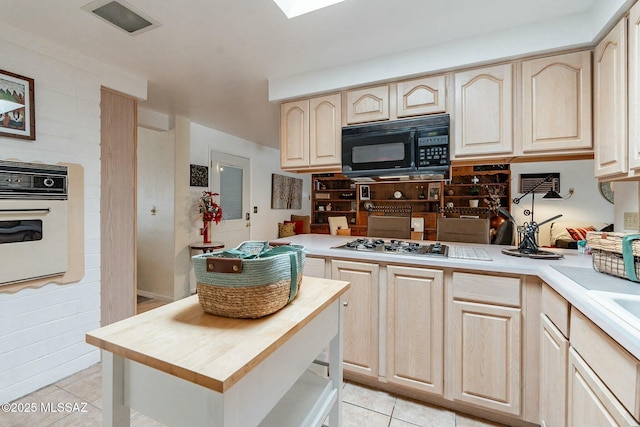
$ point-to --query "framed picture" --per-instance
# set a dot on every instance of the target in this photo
(199, 176)
(17, 109)
(365, 192)
(434, 191)
(286, 192)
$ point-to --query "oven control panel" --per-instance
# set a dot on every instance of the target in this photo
(32, 180)
(433, 151)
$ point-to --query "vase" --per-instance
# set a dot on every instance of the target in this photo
(205, 232)
(473, 203)
(496, 221)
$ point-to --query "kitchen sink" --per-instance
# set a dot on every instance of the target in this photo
(625, 306)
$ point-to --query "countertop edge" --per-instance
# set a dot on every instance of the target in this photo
(623, 333)
(100, 339)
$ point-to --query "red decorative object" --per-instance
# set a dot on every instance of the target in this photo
(205, 232)
(210, 211)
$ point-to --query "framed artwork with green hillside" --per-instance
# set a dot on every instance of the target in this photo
(17, 109)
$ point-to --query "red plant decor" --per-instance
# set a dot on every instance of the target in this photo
(210, 210)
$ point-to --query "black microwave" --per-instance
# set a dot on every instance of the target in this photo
(403, 147)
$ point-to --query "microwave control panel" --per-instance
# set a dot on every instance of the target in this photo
(433, 151)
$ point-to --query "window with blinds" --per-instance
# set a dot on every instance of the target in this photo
(530, 180)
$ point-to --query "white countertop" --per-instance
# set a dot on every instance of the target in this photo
(321, 245)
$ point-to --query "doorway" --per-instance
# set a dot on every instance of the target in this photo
(231, 177)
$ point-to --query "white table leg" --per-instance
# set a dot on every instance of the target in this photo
(114, 411)
(335, 370)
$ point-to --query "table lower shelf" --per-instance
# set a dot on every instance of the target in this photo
(307, 403)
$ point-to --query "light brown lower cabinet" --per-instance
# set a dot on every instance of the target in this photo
(486, 341)
(415, 319)
(360, 336)
(590, 403)
(554, 348)
(487, 355)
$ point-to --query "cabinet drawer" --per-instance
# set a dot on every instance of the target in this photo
(614, 365)
(488, 289)
(556, 308)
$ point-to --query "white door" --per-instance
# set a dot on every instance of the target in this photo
(230, 176)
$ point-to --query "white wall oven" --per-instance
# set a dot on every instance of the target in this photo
(33, 221)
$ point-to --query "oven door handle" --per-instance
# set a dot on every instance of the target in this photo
(25, 210)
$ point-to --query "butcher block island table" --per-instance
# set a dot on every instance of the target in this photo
(185, 367)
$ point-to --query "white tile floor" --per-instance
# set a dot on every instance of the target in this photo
(363, 407)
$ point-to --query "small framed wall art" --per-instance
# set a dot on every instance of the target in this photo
(286, 192)
(365, 193)
(434, 190)
(199, 176)
(17, 108)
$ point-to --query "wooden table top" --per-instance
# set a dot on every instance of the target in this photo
(214, 352)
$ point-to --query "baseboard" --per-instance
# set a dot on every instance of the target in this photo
(154, 296)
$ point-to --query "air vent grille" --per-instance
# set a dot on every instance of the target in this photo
(530, 180)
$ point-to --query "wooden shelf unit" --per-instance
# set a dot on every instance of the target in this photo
(331, 187)
(462, 183)
(339, 192)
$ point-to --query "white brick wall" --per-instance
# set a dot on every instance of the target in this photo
(42, 331)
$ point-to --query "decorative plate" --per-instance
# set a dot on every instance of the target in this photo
(398, 195)
(606, 191)
(368, 205)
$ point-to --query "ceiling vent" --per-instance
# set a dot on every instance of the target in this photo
(122, 15)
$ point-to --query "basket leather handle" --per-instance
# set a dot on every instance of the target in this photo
(224, 265)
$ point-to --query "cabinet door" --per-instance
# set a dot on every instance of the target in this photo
(325, 137)
(610, 103)
(483, 122)
(415, 328)
(360, 315)
(314, 267)
(421, 96)
(556, 103)
(590, 403)
(634, 87)
(368, 105)
(486, 356)
(294, 134)
(554, 348)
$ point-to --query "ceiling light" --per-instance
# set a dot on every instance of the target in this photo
(122, 15)
(293, 8)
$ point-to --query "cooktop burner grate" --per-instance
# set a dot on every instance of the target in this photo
(395, 247)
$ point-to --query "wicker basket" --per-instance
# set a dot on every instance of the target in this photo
(617, 254)
(251, 281)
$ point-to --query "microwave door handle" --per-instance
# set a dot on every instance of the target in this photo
(46, 210)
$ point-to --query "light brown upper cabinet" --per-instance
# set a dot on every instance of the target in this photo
(311, 134)
(421, 96)
(556, 103)
(610, 103)
(634, 89)
(367, 105)
(483, 121)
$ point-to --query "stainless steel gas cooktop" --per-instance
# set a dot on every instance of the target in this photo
(395, 247)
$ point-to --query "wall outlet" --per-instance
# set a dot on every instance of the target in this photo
(631, 221)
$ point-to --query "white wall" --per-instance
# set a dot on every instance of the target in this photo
(626, 199)
(42, 331)
(264, 162)
(585, 205)
(156, 233)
